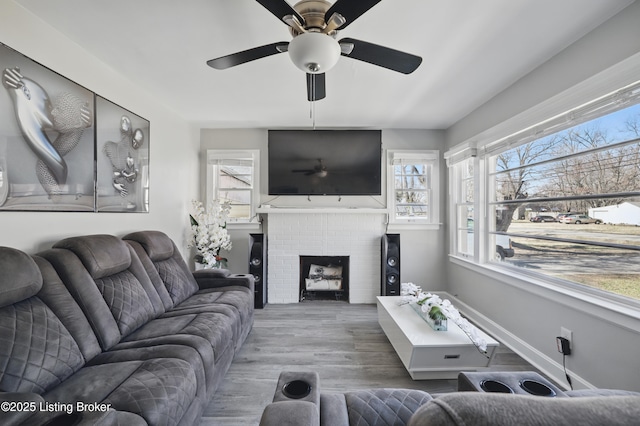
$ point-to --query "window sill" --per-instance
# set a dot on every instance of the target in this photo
(557, 291)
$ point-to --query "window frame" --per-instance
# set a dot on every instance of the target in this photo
(430, 157)
(484, 238)
(458, 199)
(213, 188)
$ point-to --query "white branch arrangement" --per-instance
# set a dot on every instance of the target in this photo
(438, 309)
(208, 233)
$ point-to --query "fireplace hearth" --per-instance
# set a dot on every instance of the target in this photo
(324, 278)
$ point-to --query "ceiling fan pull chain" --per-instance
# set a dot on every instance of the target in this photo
(312, 104)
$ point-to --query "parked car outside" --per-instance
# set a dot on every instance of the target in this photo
(504, 245)
(579, 218)
(543, 218)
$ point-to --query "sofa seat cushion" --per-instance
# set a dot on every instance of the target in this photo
(215, 328)
(239, 299)
(195, 351)
(384, 406)
(159, 390)
(236, 326)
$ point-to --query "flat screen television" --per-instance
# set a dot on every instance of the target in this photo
(325, 162)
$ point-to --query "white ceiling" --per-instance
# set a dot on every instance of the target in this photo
(471, 51)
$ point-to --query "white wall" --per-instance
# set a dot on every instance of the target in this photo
(422, 251)
(528, 316)
(173, 144)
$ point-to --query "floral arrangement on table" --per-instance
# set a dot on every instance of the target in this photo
(208, 233)
(438, 310)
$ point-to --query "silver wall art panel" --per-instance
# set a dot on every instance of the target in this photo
(64, 148)
(122, 139)
(47, 138)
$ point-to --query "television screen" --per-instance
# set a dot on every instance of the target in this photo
(325, 162)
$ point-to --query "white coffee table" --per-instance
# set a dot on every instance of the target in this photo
(425, 353)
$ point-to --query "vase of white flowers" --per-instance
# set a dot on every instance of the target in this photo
(436, 312)
(208, 233)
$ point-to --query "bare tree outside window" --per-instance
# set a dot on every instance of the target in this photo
(586, 169)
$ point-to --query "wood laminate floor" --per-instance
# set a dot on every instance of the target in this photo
(342, 342)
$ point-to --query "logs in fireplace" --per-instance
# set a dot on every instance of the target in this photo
(324, 278)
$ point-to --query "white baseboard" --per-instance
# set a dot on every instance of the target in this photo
(548, 366)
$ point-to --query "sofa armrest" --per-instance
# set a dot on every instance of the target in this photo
(216, 278)
(290, 413)
(296, 400)
(9, 415)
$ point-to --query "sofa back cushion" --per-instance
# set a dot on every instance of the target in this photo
(496, 409)
(19, 276)
(127, 300)
(101, 255)
(36, 351)
(57, 297)
(171, 268)
(109, 283)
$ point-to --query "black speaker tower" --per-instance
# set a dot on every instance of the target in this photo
(390, 273)
(258, 267)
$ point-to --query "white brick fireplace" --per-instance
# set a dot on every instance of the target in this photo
(294, 234)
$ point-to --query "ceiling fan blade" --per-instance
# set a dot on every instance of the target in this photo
(316, 88)
(382, 56)
(350, 9)
(249, 55)
(280, 9)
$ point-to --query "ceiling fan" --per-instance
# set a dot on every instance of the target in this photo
(319, 170)
(314, 25)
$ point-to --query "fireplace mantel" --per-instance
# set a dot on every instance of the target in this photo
(314, 210)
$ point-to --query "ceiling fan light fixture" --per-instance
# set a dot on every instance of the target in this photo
(314, 52)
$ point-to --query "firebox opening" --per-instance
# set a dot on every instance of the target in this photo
(324, 278)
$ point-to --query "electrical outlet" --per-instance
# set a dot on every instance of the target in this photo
(567, 334)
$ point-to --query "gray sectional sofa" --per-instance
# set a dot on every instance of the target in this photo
(115, 331)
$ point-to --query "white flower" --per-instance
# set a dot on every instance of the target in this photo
(412, 293)
(208, 232)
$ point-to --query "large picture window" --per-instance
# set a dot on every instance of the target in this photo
(565, 195)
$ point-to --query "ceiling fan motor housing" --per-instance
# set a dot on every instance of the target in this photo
(313, 12)
(313, 51)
